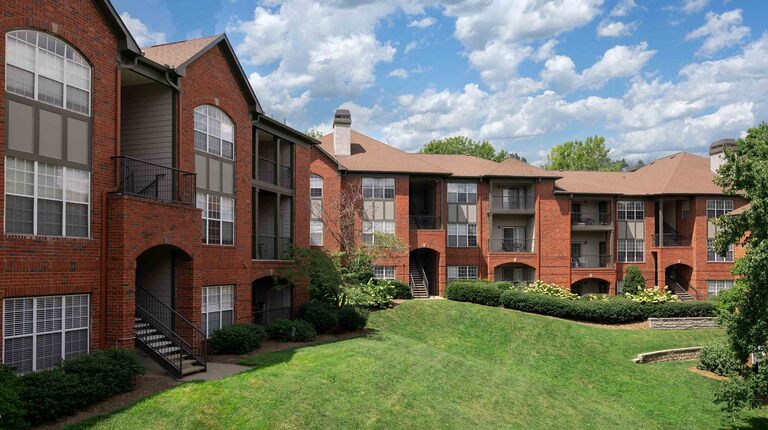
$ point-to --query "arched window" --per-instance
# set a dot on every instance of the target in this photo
(214, 132)
(316, 221)
(44, 68)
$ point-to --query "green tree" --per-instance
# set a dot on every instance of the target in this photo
(314, 133)
(745, 172)
(462, 145)
(634, 282)
(591, 154)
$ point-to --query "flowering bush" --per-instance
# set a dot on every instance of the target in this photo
(551, 290)
(655, 295)
(595, 297)
(372, 295)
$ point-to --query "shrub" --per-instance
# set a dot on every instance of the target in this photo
(12, 406)
(77, 383)
(323, 273)
(655, 295)
(591, 297)
(634, 282)
(552, 290)
(372, 294)
(291, 331)
(352, 318)
(678, 309)
(718, 357)
(321, 315)
(400, 290)
(237, 339)
(601, 311)
(484, 293)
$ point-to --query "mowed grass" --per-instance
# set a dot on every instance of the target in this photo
(448, 365)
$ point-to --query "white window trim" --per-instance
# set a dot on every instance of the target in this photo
(221, 220)
(634, 251)
(624, 207)
(717, 257)
(384, 272)
(726, 206)
(383, 184)
(470, 189)
(208, 119)
(205, 312)
(63, 200)
(64, 330)
(720, 286)
(455, 272)
(464, 228)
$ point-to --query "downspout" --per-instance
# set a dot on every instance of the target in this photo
(538, 230)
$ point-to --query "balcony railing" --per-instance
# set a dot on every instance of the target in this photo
(423, 222)
(513, 203)
(672, 239)
(272, 248)
(591, 261)
(590, 219)
(511, 245)
(267, 170)
(153, 181)
(286, 176)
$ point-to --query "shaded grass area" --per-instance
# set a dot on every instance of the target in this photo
(442, 364)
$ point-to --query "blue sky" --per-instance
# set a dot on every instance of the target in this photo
(653, 77)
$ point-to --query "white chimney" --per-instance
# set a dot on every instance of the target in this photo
(342, 140)
(717, 152)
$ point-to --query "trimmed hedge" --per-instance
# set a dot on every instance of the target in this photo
(679, 309)
(352, 318)
(321, 315)
(483, 293)
(291, 331)
(12, 407)
(237, 339)
(400, 289)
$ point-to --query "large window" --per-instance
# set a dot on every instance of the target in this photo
(462, 234)
(46, 199)
(462, 193)
(716, 287)
(316, 201)
(384, 272)
(42, 67)
(714, 257)
(462, 272)
(370, 228)
(218, 219)
(315, 187)
(378, 188)
(218, 308)
(214, 132)
(716, 208)
(631, 211)
(40, 332)
(631, 250)
(378, 207)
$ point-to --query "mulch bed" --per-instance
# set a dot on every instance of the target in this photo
(708, 374)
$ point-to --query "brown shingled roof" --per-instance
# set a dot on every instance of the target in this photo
(680, 173)
(177, 54)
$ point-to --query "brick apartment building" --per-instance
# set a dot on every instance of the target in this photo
(466, 217)
(145, 194)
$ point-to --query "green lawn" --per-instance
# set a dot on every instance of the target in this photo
(442, 364)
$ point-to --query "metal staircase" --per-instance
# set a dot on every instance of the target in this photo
(681, 292)
(419, 282)
(169, 338)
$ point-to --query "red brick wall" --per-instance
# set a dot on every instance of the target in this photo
(553, 224)
(41, 266)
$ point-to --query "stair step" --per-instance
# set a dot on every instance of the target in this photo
(151, 337)
(167, 350)
(158, 344)
(192, 369)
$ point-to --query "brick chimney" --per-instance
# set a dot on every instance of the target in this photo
(342, 124)
(717, 152)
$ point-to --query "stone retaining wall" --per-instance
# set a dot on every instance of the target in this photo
(678, 354)
(681, 323)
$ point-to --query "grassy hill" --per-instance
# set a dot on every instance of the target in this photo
(442, 364)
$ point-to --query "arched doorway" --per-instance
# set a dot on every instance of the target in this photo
(163, 273)
(272, 299)
(678, 278)
(590, 286)
(517, 273)
(423, 272)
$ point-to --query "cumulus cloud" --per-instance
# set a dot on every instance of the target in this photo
(719, 32)
(623, 7)
(410, 47)
(693, 6)
(143, 35)
(398, 73)
(422, 23)
(608, 28)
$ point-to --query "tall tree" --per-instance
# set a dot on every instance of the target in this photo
(463, 145)
(314, 133)
(591, 154)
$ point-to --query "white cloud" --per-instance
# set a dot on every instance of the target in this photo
(623, 7)
(693, 6)
(264, 37)
(719, 32)
(422, 23)
(545, 51)
(140, 32)
(398, 73)
(608, 28)
(498, 61)
(410, 47)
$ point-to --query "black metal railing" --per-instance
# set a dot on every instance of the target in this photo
(267, 170)
(272, 248)
(423, 222)
(591, 218)
(672, 239)
(144, 179)
(591, 261)
(511, 245)
(286, 176)
(180, 331)
(506, 202)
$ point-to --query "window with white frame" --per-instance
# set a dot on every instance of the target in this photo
(214, 132)
(218, 219)
(462, 272)
(315, 186)
(218, 308)
(42, 67)
(630, 250)
(316, 208)
(41, 332)
(714, 257)
(717, 208)
(716, 287)
(462, 193)
(46, 199)
(384, 272)
(462, 234)
(316, 232)
(378, 188)
(631, 211)
(370, 228)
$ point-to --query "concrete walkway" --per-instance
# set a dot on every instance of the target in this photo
(215, 370)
